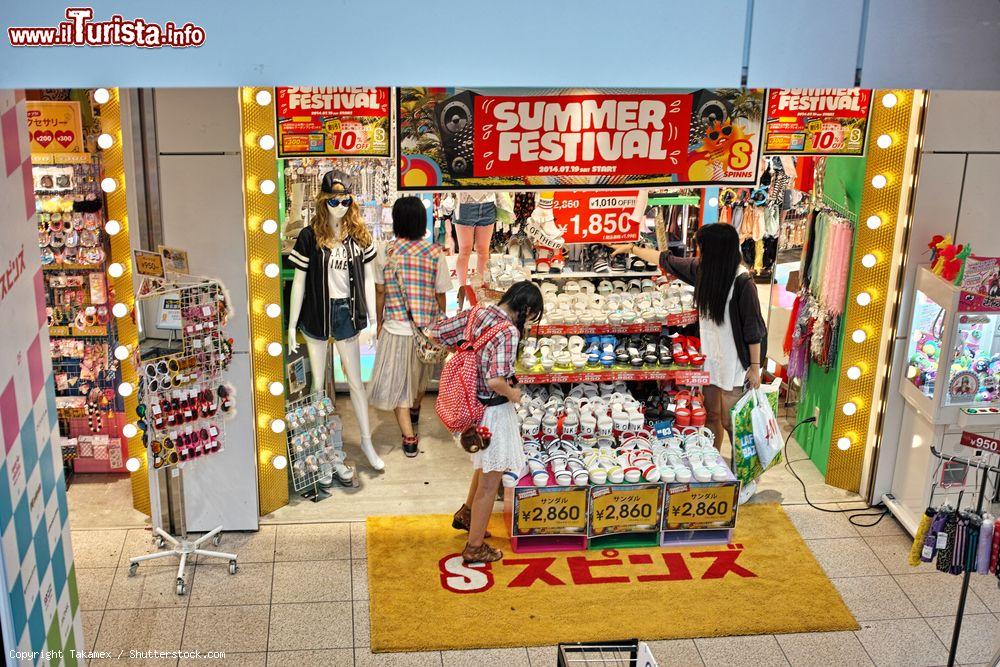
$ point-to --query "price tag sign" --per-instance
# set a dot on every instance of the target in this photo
(633, 508)
(693, 506)
(981, 442)
(596, 217)
(550, 511)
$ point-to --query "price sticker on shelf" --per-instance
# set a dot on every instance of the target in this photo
(550, 511)
(596, 217)
(983, 443)
(633, 508)
(691, 506)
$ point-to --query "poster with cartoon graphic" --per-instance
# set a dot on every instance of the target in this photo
(462, 139)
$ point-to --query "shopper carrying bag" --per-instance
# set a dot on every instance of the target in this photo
(486, 339)
(756, 406)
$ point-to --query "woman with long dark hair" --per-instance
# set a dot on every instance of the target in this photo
(732, 328)
(519, 307)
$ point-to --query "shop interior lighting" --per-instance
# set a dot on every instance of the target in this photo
(266, 142)
(267, 186)
(884, 141)
(274, 349)
(109, 184)
(130, 430)
(278, 425)
(271, 270)
(853, 372)
(119, 309)
(133, 464)
(713, 201)
(276, 388)
(112, 227)
(843, 444)
(102, 95)
(859, 336)
(889, 100)
(873, 222)
(125, 389)
(272, 310)
(863, 298)
(121, 353)
(116, 270)
(105, 140)
(879, 181)
(269, 226)
(869, 260)
(263, 97)
(279, 462)
(850, 408)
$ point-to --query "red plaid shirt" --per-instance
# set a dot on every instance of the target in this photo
(497, 357)
(415, 263)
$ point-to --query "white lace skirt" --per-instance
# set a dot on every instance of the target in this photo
(398, 375)
(505, 451)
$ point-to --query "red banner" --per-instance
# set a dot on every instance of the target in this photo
(332, 121)
(581, 135)
(596, 217)
(981, 442)
(817, 121)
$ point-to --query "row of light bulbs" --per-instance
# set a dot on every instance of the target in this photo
(869, 261)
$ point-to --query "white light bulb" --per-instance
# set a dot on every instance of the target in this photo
(276, 388)
(274, 349)
(130, 430)
(266, 142)
(115, 270)
(884, 141)
(102, 95)
(854, 372)
(878, 181)
(873, 222)
(843, 444)
(427, 203)
(125, 389)
(267, 186)
(263, 97)
(863, 298)
(121, 353)
(868, 261)
(278, 425)
(119, 310)
(112, 227)
(279, 462)
(109, 184)
(889, 100)
(269, 226)
(859, 336)
(713, 201)
(271, 270)
(272, 310)
(133, 464)
(850, 408)
(105, 140)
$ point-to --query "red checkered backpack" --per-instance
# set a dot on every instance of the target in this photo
(457, 404)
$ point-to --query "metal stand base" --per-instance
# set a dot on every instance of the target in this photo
(182, 549)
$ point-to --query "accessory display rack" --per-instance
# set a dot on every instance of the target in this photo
(315, 444)
(182, 405)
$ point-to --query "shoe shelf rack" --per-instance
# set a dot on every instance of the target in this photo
(673, 320)
(571, 275)
(679, 374)
(595, 517)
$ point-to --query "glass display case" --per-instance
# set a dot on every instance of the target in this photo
(953, 351)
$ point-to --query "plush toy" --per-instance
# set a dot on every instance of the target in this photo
(936, 241)
(948, 259)
(962, 255)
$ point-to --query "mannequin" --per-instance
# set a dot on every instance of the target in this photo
(330, 297)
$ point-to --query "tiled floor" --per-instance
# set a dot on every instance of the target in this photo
(301, 598)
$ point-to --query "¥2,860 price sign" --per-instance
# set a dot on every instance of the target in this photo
(625, 509)
(596, 217)
(550, 511)
(690, 506)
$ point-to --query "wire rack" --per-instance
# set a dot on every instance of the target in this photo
(315, 440)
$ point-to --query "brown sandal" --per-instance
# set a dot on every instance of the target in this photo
(484, 553)
(463, 519)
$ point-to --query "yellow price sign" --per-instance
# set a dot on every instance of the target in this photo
(625, 509)
(551, 511)
(692, 506)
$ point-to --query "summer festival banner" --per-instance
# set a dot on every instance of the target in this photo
(817, 121)
(332, 121)
(497, 138)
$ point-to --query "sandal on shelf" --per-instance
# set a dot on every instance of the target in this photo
(463, 519)
(484, 553)
(679, 352)
(698, 413)
(410, 445)
(695, 357)
(682, 413)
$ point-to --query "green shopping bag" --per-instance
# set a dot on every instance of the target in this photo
(746, 464)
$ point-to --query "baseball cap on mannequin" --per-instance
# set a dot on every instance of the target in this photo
(333, 178)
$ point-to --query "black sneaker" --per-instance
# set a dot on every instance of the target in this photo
(410, 446)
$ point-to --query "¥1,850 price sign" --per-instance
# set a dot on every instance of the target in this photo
(596, 217)
(692, 506)
(633, 508)
(550, 511)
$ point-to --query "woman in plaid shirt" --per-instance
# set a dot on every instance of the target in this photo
(411, 278)
(520, 306)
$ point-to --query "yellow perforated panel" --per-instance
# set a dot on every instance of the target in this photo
(890, 204)
(113, 164)
(260, 165)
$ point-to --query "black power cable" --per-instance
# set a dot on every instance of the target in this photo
(805, 494)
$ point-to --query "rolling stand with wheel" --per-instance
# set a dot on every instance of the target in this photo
(183, 549)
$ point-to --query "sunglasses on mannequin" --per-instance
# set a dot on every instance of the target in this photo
(335, 202)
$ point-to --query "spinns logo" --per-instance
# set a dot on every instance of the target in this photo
(79, 29)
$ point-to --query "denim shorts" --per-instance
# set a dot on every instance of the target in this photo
(477, 215)
(341, 324)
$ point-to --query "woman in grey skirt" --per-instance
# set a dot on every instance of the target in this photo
(411, 279)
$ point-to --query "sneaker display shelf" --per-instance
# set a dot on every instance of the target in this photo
(616, 482)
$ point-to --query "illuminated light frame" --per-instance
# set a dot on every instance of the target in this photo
(113, 166)
(892, 204)
(262, 248)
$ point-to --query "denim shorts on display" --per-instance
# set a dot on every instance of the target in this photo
(341, 324)
(477, 215)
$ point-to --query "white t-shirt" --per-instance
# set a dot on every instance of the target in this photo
(442, 283)
(337, 278)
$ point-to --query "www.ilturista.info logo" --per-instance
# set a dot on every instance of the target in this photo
(80, 30)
